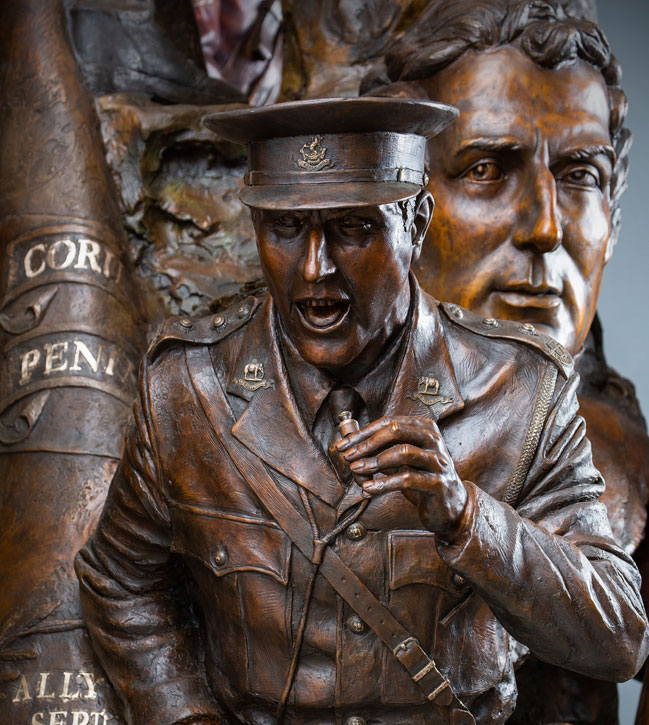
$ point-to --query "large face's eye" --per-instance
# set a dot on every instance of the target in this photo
(581, 177)
(484, 172)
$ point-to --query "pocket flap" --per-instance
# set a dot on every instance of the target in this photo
(226, 543)
(414, 559)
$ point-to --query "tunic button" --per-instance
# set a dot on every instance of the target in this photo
(356, 531)
(356, 624)
(220, 557)
(218, 321)
(243, 311)
(356, 720)
(186, 323)
(458, 581)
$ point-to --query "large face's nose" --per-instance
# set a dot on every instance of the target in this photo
(540, 227)
(316, 263)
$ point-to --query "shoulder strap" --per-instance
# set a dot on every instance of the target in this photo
(379, 618)
(522, 332)
(203, 330)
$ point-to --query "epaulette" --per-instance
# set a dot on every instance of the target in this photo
(204, 330)
(520, 331)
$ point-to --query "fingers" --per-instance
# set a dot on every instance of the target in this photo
(440, 503)
(385, 432)
(404, 481)
(403, 454)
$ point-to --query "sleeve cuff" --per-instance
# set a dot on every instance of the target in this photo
(464, 526)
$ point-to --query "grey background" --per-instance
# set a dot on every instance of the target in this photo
(624, 301)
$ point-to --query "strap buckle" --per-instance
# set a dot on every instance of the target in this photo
(403, 646)
(421, 668)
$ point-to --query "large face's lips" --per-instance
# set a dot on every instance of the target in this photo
(322, 314)
(525, 295)
(525, 299)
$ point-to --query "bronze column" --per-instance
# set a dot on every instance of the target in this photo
(70, 337)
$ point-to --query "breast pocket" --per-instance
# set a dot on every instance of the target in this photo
(242, 585)
(227, 543)
(454, 625)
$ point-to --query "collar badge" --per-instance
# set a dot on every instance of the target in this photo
(253, 377)
(428, 392)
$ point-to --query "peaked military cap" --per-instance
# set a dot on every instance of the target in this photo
(333, 152)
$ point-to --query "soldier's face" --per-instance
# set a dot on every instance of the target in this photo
(339, 278)
(522, 225)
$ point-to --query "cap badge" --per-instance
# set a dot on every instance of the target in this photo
(314, 156)
(428, 393)
(253, 377)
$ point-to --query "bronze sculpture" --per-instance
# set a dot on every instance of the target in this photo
(427, 389)
(291, 547)
(525, 236)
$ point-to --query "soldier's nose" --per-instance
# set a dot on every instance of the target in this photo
(316, 263)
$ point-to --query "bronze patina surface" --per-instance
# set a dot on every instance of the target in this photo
(191, 241)
(377, 578)
(527, 185)
(71, 338)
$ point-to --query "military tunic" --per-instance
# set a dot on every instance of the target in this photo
(535, 560)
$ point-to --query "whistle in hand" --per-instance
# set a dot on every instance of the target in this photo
(347, 426)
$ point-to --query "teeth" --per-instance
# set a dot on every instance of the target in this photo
(322, 303)
(323, 312)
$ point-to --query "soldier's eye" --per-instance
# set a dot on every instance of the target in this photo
(286, 221)
(484, 171)
(359, 224)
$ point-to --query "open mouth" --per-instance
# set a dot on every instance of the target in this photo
(323, 313)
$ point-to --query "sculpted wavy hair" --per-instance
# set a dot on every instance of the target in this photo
(445, 31)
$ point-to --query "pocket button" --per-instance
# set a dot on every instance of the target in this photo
(221, 557)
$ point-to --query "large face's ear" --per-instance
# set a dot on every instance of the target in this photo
(615, 232)
(424, 207)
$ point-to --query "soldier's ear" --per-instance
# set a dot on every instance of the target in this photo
(424, 207)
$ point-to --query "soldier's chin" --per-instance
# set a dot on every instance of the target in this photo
(326, 353)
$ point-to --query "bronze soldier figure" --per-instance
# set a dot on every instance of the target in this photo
(251, 565)
(528, 185)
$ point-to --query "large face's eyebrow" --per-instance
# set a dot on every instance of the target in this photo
(589, 151)
(502, 143)
(507, 144)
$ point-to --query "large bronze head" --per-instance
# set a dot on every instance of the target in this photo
(528, 181)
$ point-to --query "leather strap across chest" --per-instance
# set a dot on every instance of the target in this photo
(406, 648)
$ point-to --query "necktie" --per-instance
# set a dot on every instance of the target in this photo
(341, 398)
